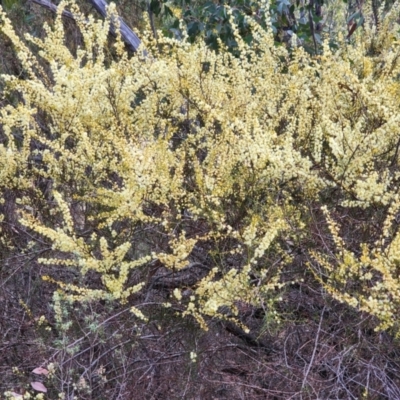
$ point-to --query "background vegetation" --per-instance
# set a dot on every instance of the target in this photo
(214, 217)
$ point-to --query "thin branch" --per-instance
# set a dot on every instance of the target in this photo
(250, 340)
(314, 351)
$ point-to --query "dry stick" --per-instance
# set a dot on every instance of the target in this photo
(314, 351)
(128, 36)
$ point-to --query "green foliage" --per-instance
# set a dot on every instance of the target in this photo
(211, 21)
(311, 21)
(9, 4)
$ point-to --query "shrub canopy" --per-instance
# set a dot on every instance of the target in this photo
(122, 163)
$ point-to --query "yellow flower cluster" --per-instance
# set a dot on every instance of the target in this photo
(376, 270)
